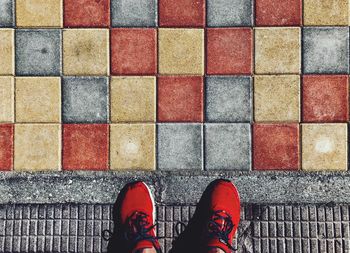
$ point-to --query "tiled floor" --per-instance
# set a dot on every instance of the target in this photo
(167, 85)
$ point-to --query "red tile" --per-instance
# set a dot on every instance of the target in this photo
(86, 13)
(276, 146)
(180, 99)
(85, 146)
(181, 13)
(229, 51)
(133, 51)
(325, 98)
(6, 147)
(278, 13)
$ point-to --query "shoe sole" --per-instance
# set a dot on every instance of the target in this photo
(153, 202)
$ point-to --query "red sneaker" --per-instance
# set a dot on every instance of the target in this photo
(224, 215)
(137, 214)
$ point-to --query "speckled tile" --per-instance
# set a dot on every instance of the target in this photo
(7, 13)
(181, 51)
(276, 147)
(181, 13)
(39, 13)
(86, 13)
(325, 98)
(180, 99)
(133, 51)
(7, 52)
(85, 146)
(277, 50)
(229, 51)
(37, 147)
(133, 99)
(326, 50)
(6, 147)
(133, 146)
(134, 13)
(326, 12)
(278, 13)
(38, 99)
(38, 52)
(85, 99)
(227, 146)
(228, 99)
(221, 13)
(324, 147)
(179, 146)
(7, 99)
(277, 98)
(86, 52)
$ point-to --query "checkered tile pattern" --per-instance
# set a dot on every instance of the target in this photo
(147, 84)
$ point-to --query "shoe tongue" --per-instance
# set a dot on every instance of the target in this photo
(143, 244)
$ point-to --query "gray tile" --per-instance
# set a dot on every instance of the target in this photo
(6, 13)
(229, 13)
(38, 52)
(227, 146)
(179, 146)
(85, 99)
(326, 50)
(134, 13)
(228, 99)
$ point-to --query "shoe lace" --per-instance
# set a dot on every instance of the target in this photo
(220, 226)
(138, 229)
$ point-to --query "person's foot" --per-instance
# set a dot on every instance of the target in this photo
(224, 211)
(137, 214)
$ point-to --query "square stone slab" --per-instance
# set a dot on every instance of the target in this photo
(7, 13)
(38, 52)
(326, 12)
(7, 51)
(227, 146)
(7, 94)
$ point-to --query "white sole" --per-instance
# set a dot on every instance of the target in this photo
(153, 203)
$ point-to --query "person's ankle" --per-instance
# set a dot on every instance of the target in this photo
(215, 250)
(148, 250)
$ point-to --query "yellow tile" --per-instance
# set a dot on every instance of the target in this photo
(7, 51)
(132, 146)
(181, 51)
(277, 98)
(38, 99)
(39, 13)
(6, 99)
(326, 12)
(85, 52)
(37, 147)
(324, 147)
(277, 50)
(133, 99)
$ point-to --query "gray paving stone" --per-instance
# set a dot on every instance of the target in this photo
(228, 99)
(326, 50)
(134, 13)
(229, 13)
(38, 52)
(179, 146)
(6, 13)
(227, 146)
(85, 99)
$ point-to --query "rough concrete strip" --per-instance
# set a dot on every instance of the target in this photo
(180, 187)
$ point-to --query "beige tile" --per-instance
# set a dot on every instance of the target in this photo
(39, 13)
(324, 147)
(132, 146)
(326, 12)
(277, 98)
(86, 52)
(38, 99)
(277, 50)
(6, 99)
(181, 51)
(7, 50)
(133, 99)
(37, 147)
